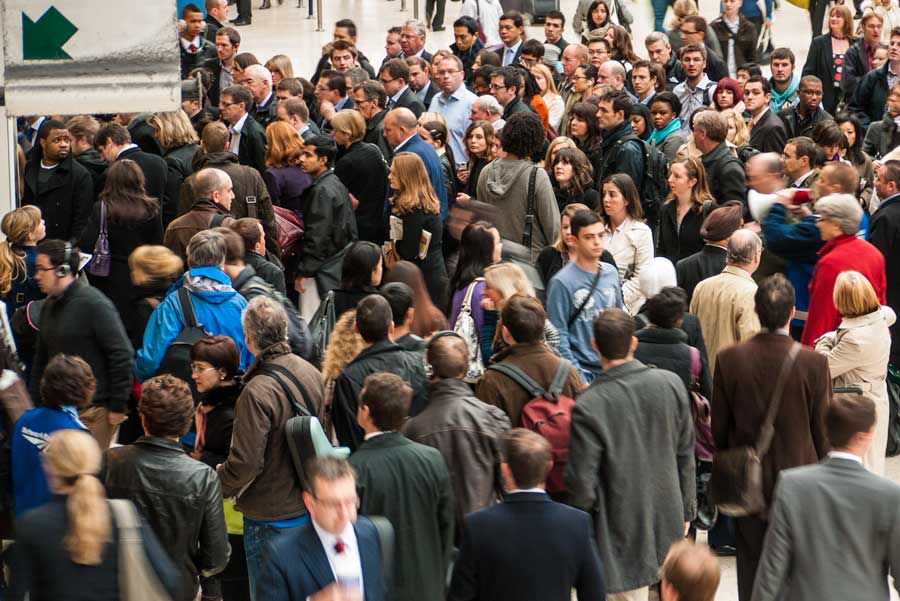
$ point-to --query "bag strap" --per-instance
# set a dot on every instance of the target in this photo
(385, 531)
(586, 299)
(125, 516)
(467, 301)
(767, 432)
(103, 227)
(216, 220)
(275, 371)
(695, 364)
(251, 206)
(528, 232)
(187, 308)
(559, 380)
(521, 378)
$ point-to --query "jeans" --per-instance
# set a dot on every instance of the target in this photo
(435, 14)
(659, 14)
(258, 540)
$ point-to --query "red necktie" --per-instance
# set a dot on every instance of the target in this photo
(339, 546)
(193, 48)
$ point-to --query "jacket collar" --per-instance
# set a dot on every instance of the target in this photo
(212, 273)
(243, 277)
(382, 346)
(206, 205)
(619, 371)
(448, 391)
(313, 555)
(160, 443)
(835, 242)
(270, 352)
(386, 440)
(884, 314)
(527, 497)
(737, 271)
(617, 133)
(521, 350)
(661, 335)
(716, 153)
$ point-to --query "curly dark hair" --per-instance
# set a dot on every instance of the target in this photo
(667, 308)
(582, 170)
(523, 135)
(67, 381)
(166, 406)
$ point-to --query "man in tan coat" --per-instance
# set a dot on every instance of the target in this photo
(724, 303)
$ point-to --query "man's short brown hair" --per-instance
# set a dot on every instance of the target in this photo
(388, 398)
(215, 137)
(613, 331)
(848, 415)
(327, 468)
(67, 381)
(248, 229)
(83, 126)
(166, 406)
(692, 571)
(524, 318)
(528, 456)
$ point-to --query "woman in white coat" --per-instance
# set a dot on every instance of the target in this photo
(858, 353)
(627, 237)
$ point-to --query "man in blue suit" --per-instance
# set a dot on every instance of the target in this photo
(528, 548)
(334, 556)
(400, 127)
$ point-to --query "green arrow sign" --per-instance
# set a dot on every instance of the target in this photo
(43, 39)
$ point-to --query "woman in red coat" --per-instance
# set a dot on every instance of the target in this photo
(839, 218)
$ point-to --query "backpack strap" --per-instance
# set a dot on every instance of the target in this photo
(467, 301)
(279, 373)
(251, 207)
(187, 308)
(695, 365)
(217, 220)
(559, 380)
(528, 232)
(521, 378)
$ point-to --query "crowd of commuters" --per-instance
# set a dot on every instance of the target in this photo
(536, 290)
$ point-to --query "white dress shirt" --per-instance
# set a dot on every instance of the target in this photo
(351, 550)
(847, 456)
(235, 130)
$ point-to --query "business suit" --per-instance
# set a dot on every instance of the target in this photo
(744, 379)
(252, 147)
(501, 52)
(155, 170)
(298, 566)
(769, 133)
(834, 532)
(264, 113)
(528, 548)
(409, 100)
(430, 93)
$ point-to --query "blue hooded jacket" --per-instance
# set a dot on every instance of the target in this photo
(218, 308)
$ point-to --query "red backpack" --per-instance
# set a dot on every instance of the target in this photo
(549, 413)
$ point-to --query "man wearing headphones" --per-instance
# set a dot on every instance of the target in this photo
(77, 319)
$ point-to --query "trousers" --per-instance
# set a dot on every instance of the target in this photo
(638, 594)
(259, 537)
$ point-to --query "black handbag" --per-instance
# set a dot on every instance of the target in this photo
(736, 482)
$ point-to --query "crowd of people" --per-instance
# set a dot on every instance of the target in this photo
(535, 294)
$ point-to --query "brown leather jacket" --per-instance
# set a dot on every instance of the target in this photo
(259, 471)
(182, 229)
(536, 361)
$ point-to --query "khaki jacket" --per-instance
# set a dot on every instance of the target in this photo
(725, 307)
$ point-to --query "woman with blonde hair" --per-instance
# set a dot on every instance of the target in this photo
(738, 135)
(154, 268)
(284, 178)
(70, 547)
(361, 168)
(23, 229)
(682, 214)
(178, 138)
(280, 67)
(554, 102)
(501, 282)
(344, 345)
(416, 228)
(858, 352)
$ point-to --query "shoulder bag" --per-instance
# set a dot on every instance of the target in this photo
(528, 232)
(736, 483)
(465, 327)
(586, 299)
(102, 258)
(137, 579)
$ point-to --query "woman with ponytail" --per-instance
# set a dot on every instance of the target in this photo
(23, 228)
(69, 548)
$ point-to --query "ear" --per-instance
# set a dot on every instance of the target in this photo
(633, 346)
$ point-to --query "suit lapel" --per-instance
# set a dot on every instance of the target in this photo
(314, 557)
(371, 567)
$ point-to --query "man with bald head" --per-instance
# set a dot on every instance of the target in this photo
(573, 56)
(214, 192)
(400, 131)
(612, 73)
(724, 303)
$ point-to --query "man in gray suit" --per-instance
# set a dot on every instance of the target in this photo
(834, 529)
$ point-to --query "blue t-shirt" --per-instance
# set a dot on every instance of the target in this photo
(30, 437)
(568, 288)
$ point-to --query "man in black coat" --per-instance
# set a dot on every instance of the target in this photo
(420, 79)
(114, 143)
(78, 319)
(227, 41)
(369, 98)
(767, 131)
(869, 99)
(216, 14)
(248, 138)
(710, 260)
(858, 60)
(621, 150)
(195, 49)
(725, 172)
(467, 46)
(884, 135)
(801, 119)
(332, 94)
(394, 76)
(527, 548)
(884, 233)
(82, 131)
(374, 322)
(57, 184)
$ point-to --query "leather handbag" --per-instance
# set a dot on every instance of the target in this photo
(102, 258)
(736, 483)
(137, 580)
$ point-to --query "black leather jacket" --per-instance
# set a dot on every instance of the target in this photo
(180, 498)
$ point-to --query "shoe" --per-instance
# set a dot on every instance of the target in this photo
(240, 22)
(266, 5)
(438, 28)
(725, 551)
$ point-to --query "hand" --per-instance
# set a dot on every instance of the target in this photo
(336, 592)
(785, 197)
(196, 455)
(487, 304)
(769, 21)
(326, 109)
(354, 202)
(115, 419)
(801, 211)
(463, 174)
(687, 528)
(462, 197)
(299, 285)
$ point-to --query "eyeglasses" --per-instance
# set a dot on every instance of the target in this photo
(494, 86)
(577, 77)
(225, 105)
(196, 369)
(683, 32)
(445, 73)
(386, 81)
(335, 504)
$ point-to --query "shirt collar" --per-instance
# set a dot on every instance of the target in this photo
(348, 536)
(372, 435)
(237, 127)
(518, 490)
(404, 142)
(341, 104)
(186, 44)
(513, 48)
(802, 179)
(396, 97)
(266, 100)
(127, 147)
(847, 456)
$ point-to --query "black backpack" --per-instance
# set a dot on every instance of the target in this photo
(654, 190)
(177, 360)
